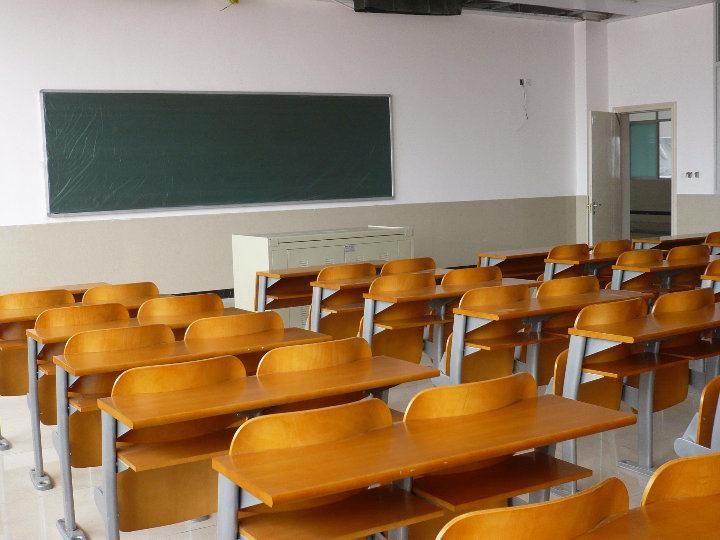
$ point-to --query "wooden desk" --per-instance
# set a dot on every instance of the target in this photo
(72, 366)
(694, 517)
(591, 264)
(322, 290)
(76, 289)
(521, 263)
(404, 450)
(669, 242)
(666, 270)
(249, 395)
(132, 304)
(438, 297)
(649, 330)
(533, 311)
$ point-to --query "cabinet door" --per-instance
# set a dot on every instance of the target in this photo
(376, 251)
(315, 256)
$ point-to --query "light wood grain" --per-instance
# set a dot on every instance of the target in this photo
(407, 266)
(682, 478)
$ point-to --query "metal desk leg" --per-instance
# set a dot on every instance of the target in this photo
(617, 280)
(571, 389)
(457, 353)
(532, 356)
(368, 329)
(549, 271)
(439, 337)
(315, 309)
(645, 427)
(67, 526)
(544, 494)
(40, 480)
(262, 293)
(109, 472)
(406, 485)
(228, 505)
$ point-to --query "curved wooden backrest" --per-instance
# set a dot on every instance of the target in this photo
(495, 296)
(104, 294)
(713, 269)
(402, 282)
(682, 478)
(179, 305)
(314, 356)
(307, 428)
(612, 312)
(609, 248)
(31, 299)
(569, 251)
(640, 257)
(707, 413)
(713, 237)
(470, 398)
(242, 324)
(470, 276)
(119, 339)
(82, 315)
(182, 376)
(682, 253)
(568, 286)
(347, 271)
(407, 266)
(684, 301)
(561, 519)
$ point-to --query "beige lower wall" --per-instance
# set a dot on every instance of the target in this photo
(193, 253)
(698, 213)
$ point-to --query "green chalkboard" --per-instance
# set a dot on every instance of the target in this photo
(115, 151)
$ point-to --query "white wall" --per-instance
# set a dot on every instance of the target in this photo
(459, 129)
(669, 58)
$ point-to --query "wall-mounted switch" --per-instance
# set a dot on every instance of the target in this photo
(697, 174)
(689, 174)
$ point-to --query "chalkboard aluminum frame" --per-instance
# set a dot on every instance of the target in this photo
(211, 206)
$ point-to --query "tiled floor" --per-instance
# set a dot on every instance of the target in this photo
(26, 514)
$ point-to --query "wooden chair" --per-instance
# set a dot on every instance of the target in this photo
(704, 428)
(407, 266)
(713, 238)
(355, 514)
(311, 357)
(84, 423)
(641, 257)
(496, 341)
(684, 478)
(121, 294)
(233, 326)
(176, 481)
(162, 310)
(404, 323)
(63, 317)
(690, 278)
(610, 248)
(560, 323)
(489, 483)
(569, 251)
(344, 309)
(561, 519)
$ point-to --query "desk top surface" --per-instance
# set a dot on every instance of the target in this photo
(694, 517)
(364, 282)
(589, 259)
(306, 271)
(258, 392)
(81, 364)
(506, 254)
(667, 266)
(652, 327)
(444, 291)
(547, 306)
(669, 239)
(414, 448)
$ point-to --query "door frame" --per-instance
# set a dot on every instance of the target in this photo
(672, 106)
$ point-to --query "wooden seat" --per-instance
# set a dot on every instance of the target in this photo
(560, 323)
(499, 362)
(122, 293)
(489, 483)
(343, 322)
(170, 478)
(684, 478)
(13, 345)
(610, 248)
(160, 310)
(561, 519)
(64, 317)
(641, 257)
(407, 266)
(315, 356)
(84, 424)
(405, 321)
(353, 514)
(690, 278)
(704, 428)
(569, 251)
(231, 326)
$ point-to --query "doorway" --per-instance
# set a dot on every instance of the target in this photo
(631, 180)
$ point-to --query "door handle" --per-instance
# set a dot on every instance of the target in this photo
(594, 206)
